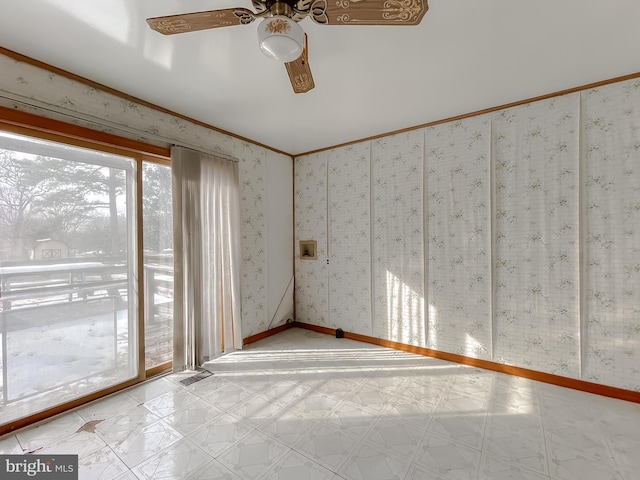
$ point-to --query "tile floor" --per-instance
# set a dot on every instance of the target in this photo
(306, 406)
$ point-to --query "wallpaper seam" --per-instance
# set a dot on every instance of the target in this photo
(327, 261)
(581, 251)
(493, 241)
(265, 241)
(372, 298)
(425, 240)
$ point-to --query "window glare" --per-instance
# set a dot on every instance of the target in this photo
(68, 306)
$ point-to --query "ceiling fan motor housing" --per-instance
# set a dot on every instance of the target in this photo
(280, 8)
(294, 9)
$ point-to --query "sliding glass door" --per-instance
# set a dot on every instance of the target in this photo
(68, 273)
(157, 228)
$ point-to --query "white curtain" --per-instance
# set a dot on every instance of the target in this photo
(207, 261)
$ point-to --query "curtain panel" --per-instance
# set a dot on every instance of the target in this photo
(207, 319)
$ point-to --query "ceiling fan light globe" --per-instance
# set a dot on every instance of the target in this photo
(283, 49)
(281, 38)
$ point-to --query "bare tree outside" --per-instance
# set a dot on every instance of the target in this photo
(44, 197)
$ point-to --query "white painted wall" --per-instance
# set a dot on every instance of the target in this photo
(279, 237)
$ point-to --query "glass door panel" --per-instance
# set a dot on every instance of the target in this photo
(68, 309)
(157, 224)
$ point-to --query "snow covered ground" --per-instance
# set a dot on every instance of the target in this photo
(50, 363)
(52, 355)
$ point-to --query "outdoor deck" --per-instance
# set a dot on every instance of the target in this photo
(68, 329)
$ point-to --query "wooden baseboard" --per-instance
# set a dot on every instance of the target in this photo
(267, 333)
(598, 389)
(315, 328)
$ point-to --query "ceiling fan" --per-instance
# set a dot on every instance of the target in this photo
(279, 35)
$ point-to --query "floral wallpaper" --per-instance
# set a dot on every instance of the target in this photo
(530, 235)
(397, 230)
(310, 214)
(349, 238)
(537, 305)
(458, 231)
(31, 89)
(611, 234)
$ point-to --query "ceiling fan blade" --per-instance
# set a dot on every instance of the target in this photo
(191, 22)
(368, 12)
(300, 72)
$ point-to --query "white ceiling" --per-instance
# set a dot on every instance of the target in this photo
(465, 56)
